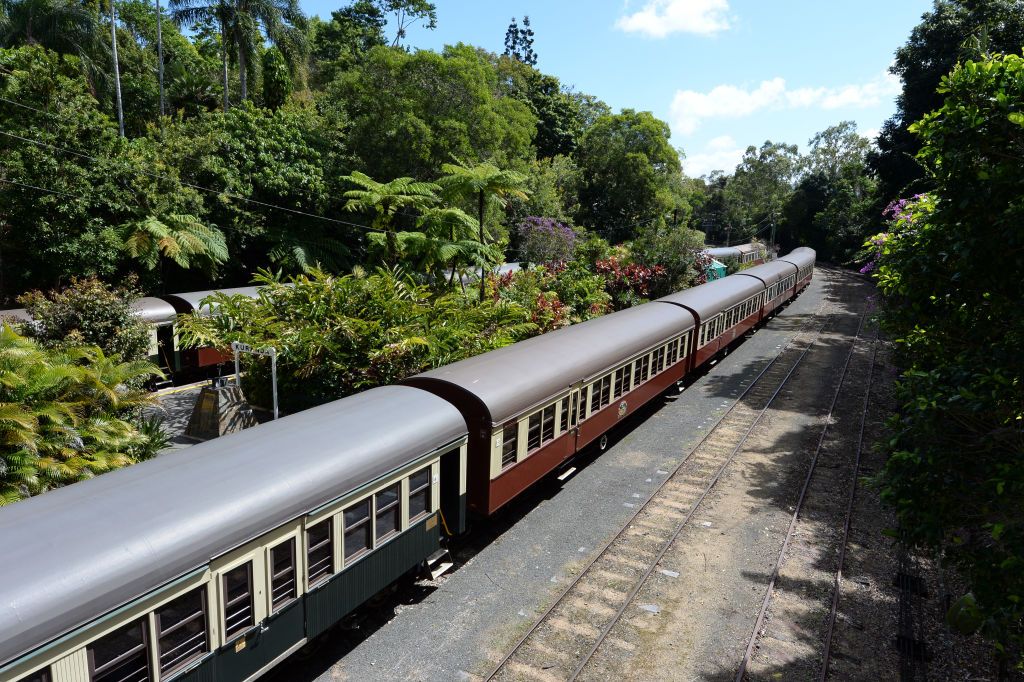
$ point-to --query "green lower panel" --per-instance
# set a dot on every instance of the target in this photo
(347, 590)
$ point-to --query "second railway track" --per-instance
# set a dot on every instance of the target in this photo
(583, 619)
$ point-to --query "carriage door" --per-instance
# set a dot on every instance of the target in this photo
(572, 421)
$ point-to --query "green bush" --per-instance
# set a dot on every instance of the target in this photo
(949, 271)
(87, 311)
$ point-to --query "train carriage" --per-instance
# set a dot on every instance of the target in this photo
(751, 254)
(803, 258)
(532, 405)
(779, 281)
(215, 562)
(725, 309)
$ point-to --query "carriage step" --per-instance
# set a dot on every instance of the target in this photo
(439, 563)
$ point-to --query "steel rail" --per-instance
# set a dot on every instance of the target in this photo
(741, 673)
(826, 655)
(583, 571)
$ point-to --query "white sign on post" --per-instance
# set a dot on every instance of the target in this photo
(269, 352)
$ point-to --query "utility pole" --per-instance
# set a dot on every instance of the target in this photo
(117, 69)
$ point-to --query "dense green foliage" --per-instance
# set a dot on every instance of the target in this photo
(953, 31)
(66, 415)
(88, 312)
(340, 335)
(949, 270)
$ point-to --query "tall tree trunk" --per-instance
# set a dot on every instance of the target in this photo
(117, 69)
(483, 289)
(224, 58)
(160, 60)
(243, 71)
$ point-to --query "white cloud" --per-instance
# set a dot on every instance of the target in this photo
(721, 153)
(659, 18)
(689, 108)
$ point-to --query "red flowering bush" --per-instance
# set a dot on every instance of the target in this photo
(629, 283)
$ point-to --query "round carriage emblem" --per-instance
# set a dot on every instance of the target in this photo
(623, 406)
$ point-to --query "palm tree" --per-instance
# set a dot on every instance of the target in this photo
(160, 58)
(183, 239)
(385, 199)
(117, 68)
(281, 20)
(64, 26)
(192, 12)
(487, 184)
(61, 414)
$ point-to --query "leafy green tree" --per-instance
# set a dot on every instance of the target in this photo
(182, 239)
(761, 186)
(630, 173)
(445, 239)
(260, 160)
(63, 414)
(88, 312)
(437, 106)
(483, 183)
(384, 200)
(341, 43)
(66, 173)
(252, 22)
(277, 82)
(949, 270)
(676, 249)
(560, 119)
(834, 206)
(954, 30)
(196, 13)
(64, 26)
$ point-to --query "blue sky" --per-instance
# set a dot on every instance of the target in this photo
(725, 74)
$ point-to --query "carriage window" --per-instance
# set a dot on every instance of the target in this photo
(574, 409)
(533, 433)
(659, 360)
(620, 378)
(606, 390)
(319, 552)
(419, 494)
(509, 444)
(181, 630)
(38, 676)
(238, 600)
(673, 352)
(121, 655)
(595, 397)
(643, 369)
(388, 511)
(282, 574)
(358, 538)
(548, 424)
(563, 417)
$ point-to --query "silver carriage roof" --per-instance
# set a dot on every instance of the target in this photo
(154, 310)
(709, 299)
(77, 552)
(801, 257)
(723, 252)
(517, 377)
(771, 272)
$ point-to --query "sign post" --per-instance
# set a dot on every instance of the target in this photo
(268, 352)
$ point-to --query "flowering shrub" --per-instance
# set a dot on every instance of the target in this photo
(531, 290)
(629, 283)
(545, 239)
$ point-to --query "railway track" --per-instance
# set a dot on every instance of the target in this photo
(561, 642)
(825, 474)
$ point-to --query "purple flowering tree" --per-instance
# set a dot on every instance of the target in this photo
(545, 240)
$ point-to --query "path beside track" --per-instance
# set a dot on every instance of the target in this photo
(516, 566)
